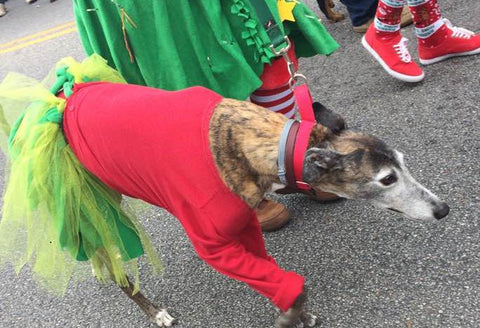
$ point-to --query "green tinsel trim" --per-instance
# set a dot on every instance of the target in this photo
(250, 35)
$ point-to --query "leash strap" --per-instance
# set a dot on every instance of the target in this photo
(295, 135)
(282, 172)
(280, 44)
(304, 101)
(301, 145)
(274, 32)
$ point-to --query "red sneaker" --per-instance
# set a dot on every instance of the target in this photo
(393, 55)
(448, 41)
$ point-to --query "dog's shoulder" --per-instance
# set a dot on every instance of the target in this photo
(244, 142)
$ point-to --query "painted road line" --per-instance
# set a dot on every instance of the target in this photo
(33, 36)
(38, 39)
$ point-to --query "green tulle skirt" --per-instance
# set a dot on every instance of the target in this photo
(55, 214)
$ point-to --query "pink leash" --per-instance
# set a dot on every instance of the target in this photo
(305, 110)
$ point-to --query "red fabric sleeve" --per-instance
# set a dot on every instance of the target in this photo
(238, 251)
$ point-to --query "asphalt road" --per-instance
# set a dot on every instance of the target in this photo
(364, 267)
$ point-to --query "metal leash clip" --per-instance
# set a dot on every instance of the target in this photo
(295, 78)
(302, 95)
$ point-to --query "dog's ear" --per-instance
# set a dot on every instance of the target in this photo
(319, 162)
(324, 159)
(328, 118)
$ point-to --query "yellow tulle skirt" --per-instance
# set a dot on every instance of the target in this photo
(56, 216)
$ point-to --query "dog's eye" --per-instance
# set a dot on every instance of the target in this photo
(388, 180)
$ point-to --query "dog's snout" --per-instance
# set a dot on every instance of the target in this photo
(442, 211)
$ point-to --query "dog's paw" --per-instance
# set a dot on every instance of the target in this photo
(308, 319)
(289, 319)
(163, 319)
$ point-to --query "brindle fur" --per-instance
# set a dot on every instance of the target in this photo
(244, 141)
(359, 156)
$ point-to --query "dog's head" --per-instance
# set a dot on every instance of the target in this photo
(358, 166)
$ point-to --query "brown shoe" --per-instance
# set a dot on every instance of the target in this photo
(407, 17)
(271, 215)
(405, 21)
(323, 196)
(3, 10)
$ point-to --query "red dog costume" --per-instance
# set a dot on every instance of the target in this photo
(153, 145)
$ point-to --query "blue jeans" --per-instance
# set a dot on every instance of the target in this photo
(360, 10)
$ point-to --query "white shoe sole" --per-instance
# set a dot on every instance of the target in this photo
(438, 59)
(400, 76)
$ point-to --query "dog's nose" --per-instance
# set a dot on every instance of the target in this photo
(442, 211)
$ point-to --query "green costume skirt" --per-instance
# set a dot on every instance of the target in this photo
(55, 214)
(174, 44)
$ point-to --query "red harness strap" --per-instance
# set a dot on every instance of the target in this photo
(305, 109)
(304, 103)
(301, 145)
(296, 143)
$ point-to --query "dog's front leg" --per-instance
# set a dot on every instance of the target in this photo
(295, 317)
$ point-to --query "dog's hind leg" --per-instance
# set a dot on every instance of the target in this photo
(159, 316)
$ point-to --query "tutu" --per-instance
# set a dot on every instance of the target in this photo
(56, 215)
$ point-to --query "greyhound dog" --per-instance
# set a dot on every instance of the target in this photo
(239, 141)
(350, 164)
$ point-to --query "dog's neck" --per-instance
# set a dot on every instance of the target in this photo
(244, 141)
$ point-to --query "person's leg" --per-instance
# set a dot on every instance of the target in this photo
(360, 11)
(437, 38)
(384, 41)
(275, 93)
